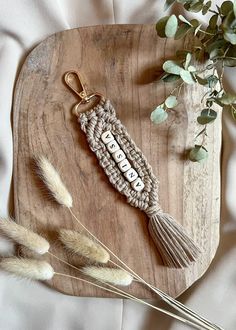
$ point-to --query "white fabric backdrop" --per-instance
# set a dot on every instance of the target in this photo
(25, 305)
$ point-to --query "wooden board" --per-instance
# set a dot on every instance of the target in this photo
(118, 61)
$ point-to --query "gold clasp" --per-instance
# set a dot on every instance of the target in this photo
(74, 81)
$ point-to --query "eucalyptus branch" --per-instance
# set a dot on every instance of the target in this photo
(217, 42)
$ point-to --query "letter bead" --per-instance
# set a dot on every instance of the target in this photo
(119, 156)
(107, 137)
(131, 175)
(113, 146)
(124, 165)
(137, 184)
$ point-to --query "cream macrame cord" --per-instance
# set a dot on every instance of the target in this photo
(175, 247)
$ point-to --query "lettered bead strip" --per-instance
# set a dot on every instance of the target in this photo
(120, 158)
(113, 146)
(137, 184)
(131, 175)
(124, 165)
(119, 155)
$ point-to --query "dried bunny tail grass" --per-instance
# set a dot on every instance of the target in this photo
(28, 268)
(111, 275)
(24, 236)
(84, 246)
(53, 181)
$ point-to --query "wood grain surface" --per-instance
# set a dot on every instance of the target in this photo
(119, 61)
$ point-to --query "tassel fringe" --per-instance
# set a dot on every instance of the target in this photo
(176, 248)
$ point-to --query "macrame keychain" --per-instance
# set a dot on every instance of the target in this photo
(129, 172)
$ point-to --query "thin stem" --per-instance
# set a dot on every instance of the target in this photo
(159, 292)
(173, 303)
(131, 297)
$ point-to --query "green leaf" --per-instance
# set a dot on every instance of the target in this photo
(171, 101)
(168, 4)
(197, 29)
(227, 99)
(231, 37)
(160, 26)
(184, 20)
(187, 61)
(233, 112)
(213, 22)
(212, 80)
(192, 68)
(172, 67)
(169, 77)
(198, 154)
(226, 7)
(183, 29)
(171, 26)
(158, 115)
(207, 116)
(194, 22)
(206, 7)
(202, 81)
(229, 27)
(187, 76)
(196, 7)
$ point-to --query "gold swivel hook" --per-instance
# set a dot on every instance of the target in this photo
(74, 81)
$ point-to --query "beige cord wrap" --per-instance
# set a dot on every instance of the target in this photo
(175, 247)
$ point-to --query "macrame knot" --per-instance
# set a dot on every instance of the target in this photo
(153, 210)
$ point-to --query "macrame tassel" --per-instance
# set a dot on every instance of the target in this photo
(176, 248)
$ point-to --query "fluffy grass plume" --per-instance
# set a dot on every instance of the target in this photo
(28, 268)
(110, 275)
(24, 236)
(53, 181)
(84, 246)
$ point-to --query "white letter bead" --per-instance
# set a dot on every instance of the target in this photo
(113, 146)
(124, 165)
(137, 184)
(107, 137)
(131, 175)
(119, 156)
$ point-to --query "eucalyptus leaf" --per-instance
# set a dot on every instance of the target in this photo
(202, 81)
(207, 116)
(226, 7)
(192, 68)
(194, 22)
(171, 26)
(187, 76)
(233, 112)
(196, 7)
(171, 101)
(160, 26)
(187, 61)
(198, 154)
(212, 80)
(172, 67)
(184, 20)
(158, 115)
(213, 22)
(231, 37)
(206, 7)
(229, 26)
(227, 99)
(197, 29)
(169, 77)
(182, 30)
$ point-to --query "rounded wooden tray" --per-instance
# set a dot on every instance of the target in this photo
(118, 61)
